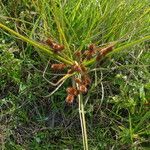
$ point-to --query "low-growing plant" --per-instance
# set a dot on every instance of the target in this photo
(76, 61)
(78, 69)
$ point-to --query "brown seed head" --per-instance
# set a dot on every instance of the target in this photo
(57, 48)
(58, 66)
(70, 98)
(77, 80)
(88, 54)
(82, 89)
(49, 42)
(91, 47)
(72, 91)
(78, 54)
(86, 80)
(106, 50)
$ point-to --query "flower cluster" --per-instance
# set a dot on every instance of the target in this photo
(84, 81)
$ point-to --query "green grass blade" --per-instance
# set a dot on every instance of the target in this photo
(36, 44)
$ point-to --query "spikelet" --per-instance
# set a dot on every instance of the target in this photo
(72, 91)
(82, 88)
(86, 80)
(91, 48)
(56, 47)
(78, 54)
(106, 50)
(103, 52)
(88, 54)
(58, 66)
(70, 99)
(49, 42)
(78, 81)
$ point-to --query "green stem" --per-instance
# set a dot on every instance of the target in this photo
(84, 124)
(36, 44)
(82, 120)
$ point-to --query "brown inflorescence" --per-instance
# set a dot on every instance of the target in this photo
(82, 88)
(92, 47)
(70, 99)
(72, 91)
(83, 83)
(86, 80)
(78, 81)
(49, 42)
(78, 56)
(88, 54)
(55, 46)
(103, 52)
(60, 66)
(106, 50)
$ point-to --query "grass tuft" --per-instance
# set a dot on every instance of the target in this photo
(34, 114)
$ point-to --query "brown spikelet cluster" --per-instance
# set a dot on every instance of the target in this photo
(78, 56)
(82, 87)
(60, 66)
(90, 52)
(71, 93)
(103, 52)
(82, 83)
(55, 46)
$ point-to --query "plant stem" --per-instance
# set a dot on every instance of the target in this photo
(36, 44)
(82, 121)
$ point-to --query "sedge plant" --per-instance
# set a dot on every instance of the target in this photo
(78, 59)
(78, 69)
